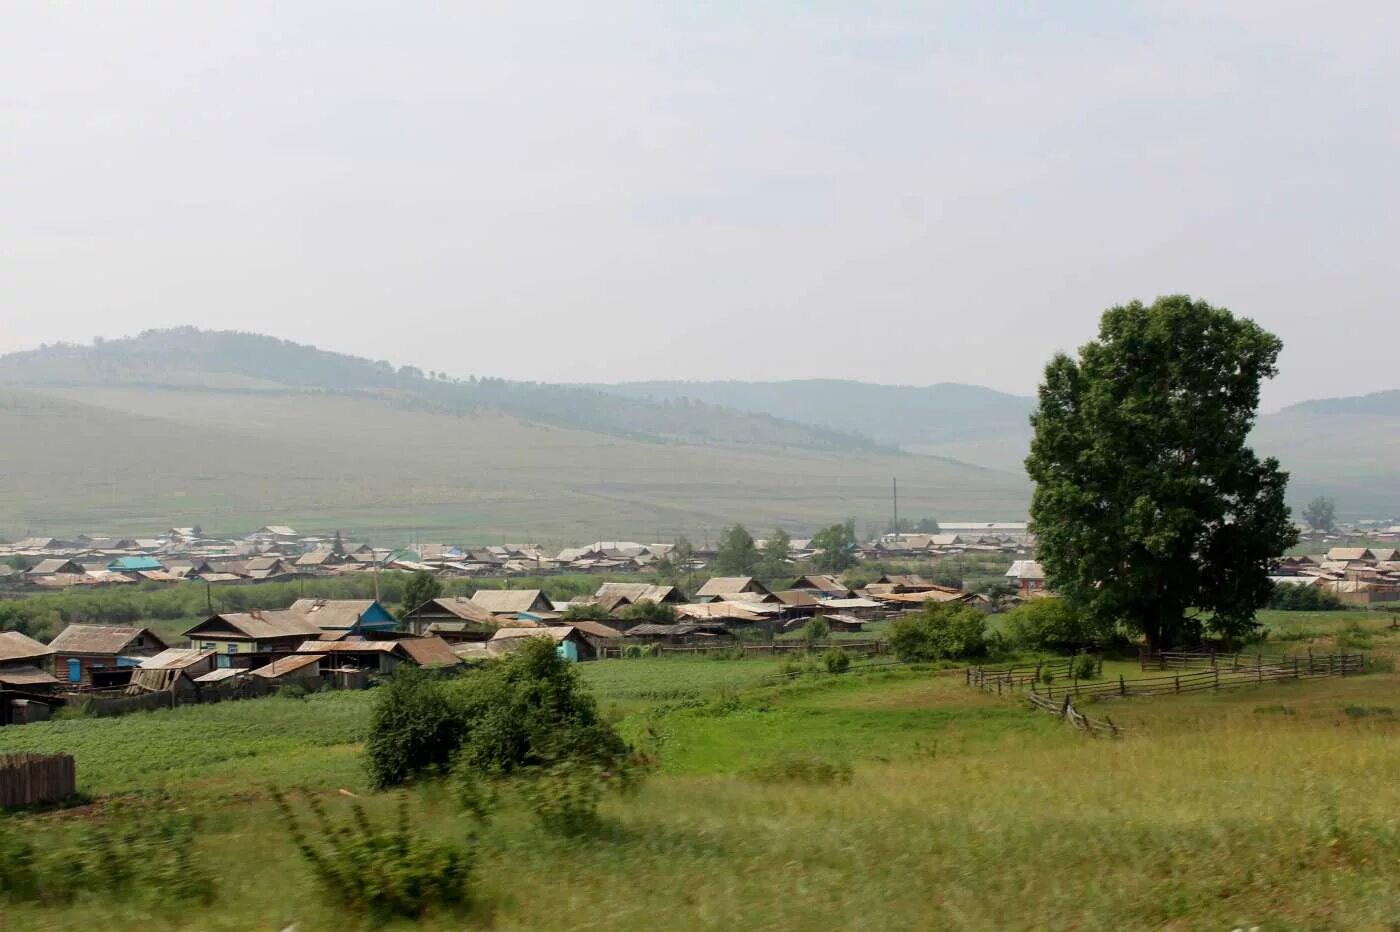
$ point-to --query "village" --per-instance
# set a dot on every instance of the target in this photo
(337, 643)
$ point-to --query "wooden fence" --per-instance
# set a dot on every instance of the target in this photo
(1066, 712)
(870, 647)
(31, 779)
(1205, 658)
(1221, 676)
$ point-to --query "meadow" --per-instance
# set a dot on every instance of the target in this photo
(886, 799)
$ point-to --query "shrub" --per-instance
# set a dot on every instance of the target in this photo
(816, 629)
(805, 768)
(1290, 598)
(632, 652)
(586, 611)
(416, 725)
(940, 630)
(565, 797)
(649, 612)
(1084, 667)
(383, 873)
(836, 660)
(1046, 624)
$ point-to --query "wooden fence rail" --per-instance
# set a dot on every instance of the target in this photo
(1066, 711)
(1222, 676)
(31, 779)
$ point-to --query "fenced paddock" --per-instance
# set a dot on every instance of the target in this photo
(1066, 712)
(32, 779)
(1234, 674)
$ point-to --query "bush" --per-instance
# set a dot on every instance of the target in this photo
(941, 630)
(383, 873)
(416, 724)
(565, 797)
(632, 652)
(836, 660)
(649, 612)
(1084, 667)
(1046, 624)
(806, 768)
(816, 629)
(586, 611)
(1290, 598)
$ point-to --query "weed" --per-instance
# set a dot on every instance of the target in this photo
(805, 768)
(1367, 711)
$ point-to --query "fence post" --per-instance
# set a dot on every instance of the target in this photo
(1122, 686)
(1112, 727)
(1295, 668)
(1178, 682)
(1217, 677)
(1064, 709)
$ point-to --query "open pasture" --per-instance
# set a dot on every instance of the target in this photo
(897, 799)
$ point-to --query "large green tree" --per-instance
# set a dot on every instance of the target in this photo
(737, 555)
(835, 548)
(1149, 504)
(1321, 514)
(777, 555)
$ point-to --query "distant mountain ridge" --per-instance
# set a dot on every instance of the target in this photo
(1385, 403)
(906, 416)
(191, 359)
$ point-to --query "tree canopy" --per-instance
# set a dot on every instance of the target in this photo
(777, 552)
(737, 555)
(1321, 514)
(1148, 501)
(835, 548)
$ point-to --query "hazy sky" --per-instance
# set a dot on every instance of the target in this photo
(608, 191)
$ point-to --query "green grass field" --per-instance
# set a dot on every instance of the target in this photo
(1271, 806)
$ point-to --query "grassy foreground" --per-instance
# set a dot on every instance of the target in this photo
(1272, 806)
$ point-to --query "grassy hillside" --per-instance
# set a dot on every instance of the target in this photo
(123, 460)
(189, 360)
(1346, 448)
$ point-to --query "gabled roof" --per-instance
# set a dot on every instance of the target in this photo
(99, 639)
(595, 629)
(1026, 569)
(1349, 554)
(333, 613)
(55, 565)
(510, 601)
(429, 652)
(16, 646)
(725, 585)
(257, 625)
(22, 676)
(638, 592)
(558, 633)
(821, 583)
(465, 609)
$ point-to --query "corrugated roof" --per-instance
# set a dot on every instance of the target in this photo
(98, 639)
(284, 665)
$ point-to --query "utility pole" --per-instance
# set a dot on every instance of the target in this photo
(895, 487)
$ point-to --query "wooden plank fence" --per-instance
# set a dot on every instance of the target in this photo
(1221, 676)
(31, 779)
(872, 647)
(1066, 712)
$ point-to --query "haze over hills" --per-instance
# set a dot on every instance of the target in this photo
(235, 430)
(1346, 448)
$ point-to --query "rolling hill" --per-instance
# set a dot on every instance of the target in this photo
(233, 430)
(1346, 448)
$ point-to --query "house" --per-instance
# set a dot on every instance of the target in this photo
(352, 617)
(136, 564)
(384, 656)
(267, 568)
(101, 655)
(302, 669)
(56, 566)
(632, 593)
(683, 632)
(245, 639)
(828, 586)
(452, 617)
(172, 670)
(1028, 574)
(719, 586)
(25, 664)
(569, 640)
(907, 582)
(278, 532)
(317, 561)
(512, 601)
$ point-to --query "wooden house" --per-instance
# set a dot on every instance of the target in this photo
(101, 655)
(512, 601)
(383, 656)
(347, 617)
(173, 670)
(570, 641)
(623, 593)
(719, 586)
(1027, 574)
(828, 587)
(454, 618)
(292, 668)
(248, 639)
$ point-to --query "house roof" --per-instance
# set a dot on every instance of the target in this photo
(558, 633)
(465, 609)
(98, 639)
(430, 651)
(636, 592)
(1026, 569)
(258, 625)
(509, 601)
(1348, 554)
(26, 676)
(134, 564)
(820, 583)
(333, 613)
(220, 674)
(284, 665)
(796, 597)
(595, 629)
(728, 585)
(54, 565)
(176, 658)
(17, 646)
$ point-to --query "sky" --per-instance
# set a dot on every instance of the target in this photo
(606, 191)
